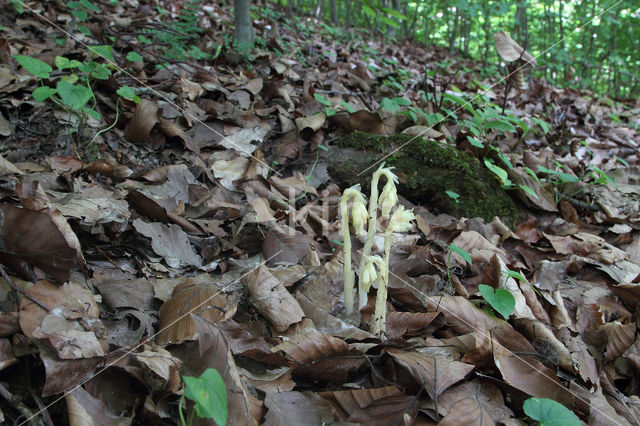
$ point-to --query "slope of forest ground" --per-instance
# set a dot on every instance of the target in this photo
(202, 229)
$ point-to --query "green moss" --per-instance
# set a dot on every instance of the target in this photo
(426, 169)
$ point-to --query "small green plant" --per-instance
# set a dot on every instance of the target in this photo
(501, 300)
(549, 412)
(209, 395)
(460, 252)
(73, 91)
(328, 108)
(394, 104)
(453, 195)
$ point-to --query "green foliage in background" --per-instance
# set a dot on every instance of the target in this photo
(582, 44)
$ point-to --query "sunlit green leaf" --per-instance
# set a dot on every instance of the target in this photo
(501, 300)
(209, 394)
(74, 96)
(43, 93)
(34, 66)
(550, 413)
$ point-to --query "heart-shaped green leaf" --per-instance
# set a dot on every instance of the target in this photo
(134, 57)
(34, 66)
(209, 394)
(43, 93)
(72, 95)
(549, 412)
(500, 300)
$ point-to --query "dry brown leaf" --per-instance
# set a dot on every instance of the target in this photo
(321, 357)
(85, 410)
(413, 323)
(327, 323)
(463, 316)
(510, 50)
(30, 238)
(64, 375)
(297, 409)
(71, 325)
(391, 410)
(285, 246)
(348, 401)
(170, 242)
(486, 395)
(530, 376)
(192, 297)
(467, 411)
(619, 338)
(436, 374)
(161, 368)
(144, 118)
(272, 299)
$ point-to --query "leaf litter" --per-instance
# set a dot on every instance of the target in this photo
(169, 245)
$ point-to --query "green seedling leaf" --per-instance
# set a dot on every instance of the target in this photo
(475, 142)
(500, 300)
(567, 178)
(533, 175)
(502, 157)
(104, 52)
(545, 170)
(500, 125)
(322, 147)
(329, 112)
(347, 107)
(322, 99)
(622, 161)
(65, 63)
(498, 171)
(144, 39)
(34, 66)
(528, 190)
(43, 93)
(134, 57)
(543, 124)
(101, 73)
(89, 5)
(128, 93)
(84, 30)
(81, 14)
(517, 275)
(549, 412)
(72, 95)
(460, 252)
(209, 394)
(394, 103)
(453, 195)
(92, 112)
(88, 67)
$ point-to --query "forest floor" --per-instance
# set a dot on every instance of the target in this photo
(202, 229)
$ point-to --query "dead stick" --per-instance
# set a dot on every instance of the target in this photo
(21, 291)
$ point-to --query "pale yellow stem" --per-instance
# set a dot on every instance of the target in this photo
(380, 311)
(371, 228)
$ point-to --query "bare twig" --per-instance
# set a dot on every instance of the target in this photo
(21, 291)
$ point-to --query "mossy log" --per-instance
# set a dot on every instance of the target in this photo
(426, 170)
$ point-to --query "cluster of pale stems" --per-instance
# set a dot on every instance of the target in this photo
(372, 267)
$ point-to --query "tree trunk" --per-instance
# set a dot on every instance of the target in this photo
(333, 12)
(243, 26)
(453, 34)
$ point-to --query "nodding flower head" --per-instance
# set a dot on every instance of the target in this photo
(401, 220)
(389, 197)
(369, 274)
(359, 214)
